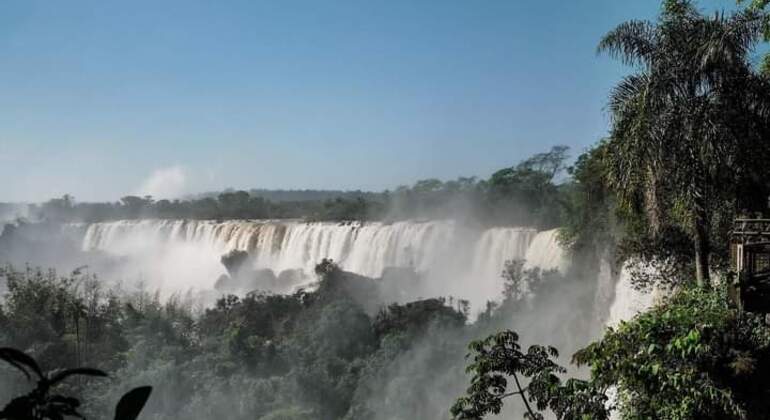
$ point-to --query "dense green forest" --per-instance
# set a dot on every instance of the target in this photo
(340, 351)
(687, 153)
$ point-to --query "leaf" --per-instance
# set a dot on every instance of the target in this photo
(77, 371)
(19, 359)
(655, 369)
(131, 404)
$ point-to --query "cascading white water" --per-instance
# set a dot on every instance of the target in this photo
(492, 250)
(546, 253)
(361, 248)
(628, 300)
(466, 262)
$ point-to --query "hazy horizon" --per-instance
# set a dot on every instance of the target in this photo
(103, 100)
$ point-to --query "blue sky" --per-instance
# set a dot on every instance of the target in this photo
(101, 99)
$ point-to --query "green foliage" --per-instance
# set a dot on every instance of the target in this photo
(415, 367)
(62, 319)
(687, 148)
(499, 360)
(499, 357)
(693, 357)
(313, 354)
(415, 318)
(589, 207)
(532, 181)
(40, 403)
(226, 205)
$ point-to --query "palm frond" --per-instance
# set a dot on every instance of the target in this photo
(632, 42)
(629, 91)
(678, 10)
(728, 41)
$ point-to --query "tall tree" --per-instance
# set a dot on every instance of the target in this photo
(688, 124)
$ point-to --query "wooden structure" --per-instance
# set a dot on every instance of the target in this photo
(750, 257)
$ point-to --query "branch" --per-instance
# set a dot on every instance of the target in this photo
(512, 393)
(521, 392)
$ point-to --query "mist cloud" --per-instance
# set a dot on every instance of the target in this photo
(168, 182)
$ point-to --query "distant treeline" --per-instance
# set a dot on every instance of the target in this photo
(524, 194)
(281, 196)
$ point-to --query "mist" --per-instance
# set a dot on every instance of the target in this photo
(168, 183)
(316, 304)
(190, 264)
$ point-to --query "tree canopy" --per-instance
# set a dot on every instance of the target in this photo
(688, 145)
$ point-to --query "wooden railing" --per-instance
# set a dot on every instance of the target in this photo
(751, 230)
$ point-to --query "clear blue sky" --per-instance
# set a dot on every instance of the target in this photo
(100, 99)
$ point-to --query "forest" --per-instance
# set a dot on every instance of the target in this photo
(686, 154)
(525, 194)
(335, 352)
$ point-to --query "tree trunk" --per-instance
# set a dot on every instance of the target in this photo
(701, 225)
(702, 260)
(701, 242)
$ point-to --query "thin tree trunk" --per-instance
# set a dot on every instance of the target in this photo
(701, 260)
(701, 242)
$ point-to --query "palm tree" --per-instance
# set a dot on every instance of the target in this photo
(686, 120)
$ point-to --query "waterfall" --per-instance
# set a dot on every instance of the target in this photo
(361, 248)
(628, 301)
(455, 260)
(465, 262)
(494, 248)
(546, 253)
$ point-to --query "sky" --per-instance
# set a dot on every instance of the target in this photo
(101, 99)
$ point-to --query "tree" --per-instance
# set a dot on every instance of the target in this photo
(692, 357)
(527, 192)
(499, 357)
(688, 125)
(589, 210)
(134, 206)
(550, 163)
(58, 209)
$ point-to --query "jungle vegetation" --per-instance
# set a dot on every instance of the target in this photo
(339, 351)
(685, 156)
